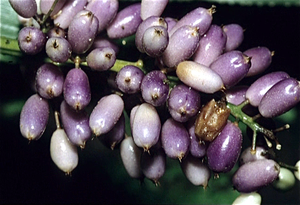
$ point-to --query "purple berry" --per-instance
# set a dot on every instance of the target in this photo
(182, 45)
(31, 40)
(34, 117)
(232, 66)
(154, 88)
(82, 31)
(261, 58)
(49, 81)
(183, 103)
(129, 79)
(146, 126)
(211, 45)
(175, 139)
(255, 175)
(126, 22)
(25, 8)
(76, 124)
(235, 36)
(260, 87)
(282, 97)
(106, 114)
(58, 49)
(223, 152)
(76, 90)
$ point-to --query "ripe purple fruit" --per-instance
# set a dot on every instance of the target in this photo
(175, 139)
(76, 90)
(223, 152)
(282, 97)
(129, 79)
(126, 22)
(49, 81)
(183, 103)
(76, 124)
(154, 88)
(258, 89)
(31, 40)
(25, 8)
(255, 175)
(34, 117)
(232, 66)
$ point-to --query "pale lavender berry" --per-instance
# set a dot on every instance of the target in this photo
(63, 153)
(155, 41)
(152, 8)
(131, 158)
(67, 13)
(45, 6)
(199, 17)
(144, 25)
(101, 59)
(195, 171)
(145, 126)
(106, 114)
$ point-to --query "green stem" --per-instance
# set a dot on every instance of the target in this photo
(236, 111)
(49, 12)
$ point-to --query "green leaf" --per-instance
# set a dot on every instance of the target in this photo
(9, 24)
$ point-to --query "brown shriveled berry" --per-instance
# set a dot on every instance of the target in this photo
(211, 120)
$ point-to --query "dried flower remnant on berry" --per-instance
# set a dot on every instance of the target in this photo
(211, 120)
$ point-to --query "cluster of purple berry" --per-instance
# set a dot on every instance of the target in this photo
(181, 103)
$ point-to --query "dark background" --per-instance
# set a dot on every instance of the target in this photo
(28, 175)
